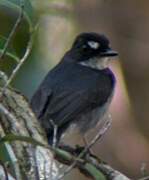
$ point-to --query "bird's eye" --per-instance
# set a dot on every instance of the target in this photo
(93, 44)
(84, 46)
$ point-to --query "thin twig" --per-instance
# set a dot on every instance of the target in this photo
(3, 77)
(26, 54)
(110, 173)
(143, 169)
(144, 178)
(5, 170)
(100, 134)
(13, 30)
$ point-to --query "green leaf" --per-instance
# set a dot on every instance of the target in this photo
(14, 5)
(10, 51)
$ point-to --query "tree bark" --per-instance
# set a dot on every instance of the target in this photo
(28, 161)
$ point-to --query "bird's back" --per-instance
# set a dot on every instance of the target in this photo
(68, 91)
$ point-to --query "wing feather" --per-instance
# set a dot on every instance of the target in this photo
(65, 107)
(40, 101)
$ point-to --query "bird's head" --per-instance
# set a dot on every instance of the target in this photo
(92, 50)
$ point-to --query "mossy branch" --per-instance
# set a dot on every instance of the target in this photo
(18, 121)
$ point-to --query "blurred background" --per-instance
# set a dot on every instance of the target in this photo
(126, 145)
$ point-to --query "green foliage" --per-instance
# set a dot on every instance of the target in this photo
(10, 51)
(15, 5)
(9, 13)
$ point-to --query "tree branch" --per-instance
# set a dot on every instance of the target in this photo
(17, 118)
(88, 146)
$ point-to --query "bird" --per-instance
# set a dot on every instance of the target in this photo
(77, 92)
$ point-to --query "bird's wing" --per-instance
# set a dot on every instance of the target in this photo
(67, 105)
(40, 100)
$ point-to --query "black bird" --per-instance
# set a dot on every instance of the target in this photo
(77, 91)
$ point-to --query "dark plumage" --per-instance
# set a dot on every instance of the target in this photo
(73, 93)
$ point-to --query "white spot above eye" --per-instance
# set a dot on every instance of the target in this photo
(93, 44)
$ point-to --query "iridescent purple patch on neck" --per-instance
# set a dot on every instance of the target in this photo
(110, 73)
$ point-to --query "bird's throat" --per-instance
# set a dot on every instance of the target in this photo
(96, 63)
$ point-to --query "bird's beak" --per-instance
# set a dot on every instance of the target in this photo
(109, 53)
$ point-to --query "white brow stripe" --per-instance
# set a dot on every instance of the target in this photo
(93, 44)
